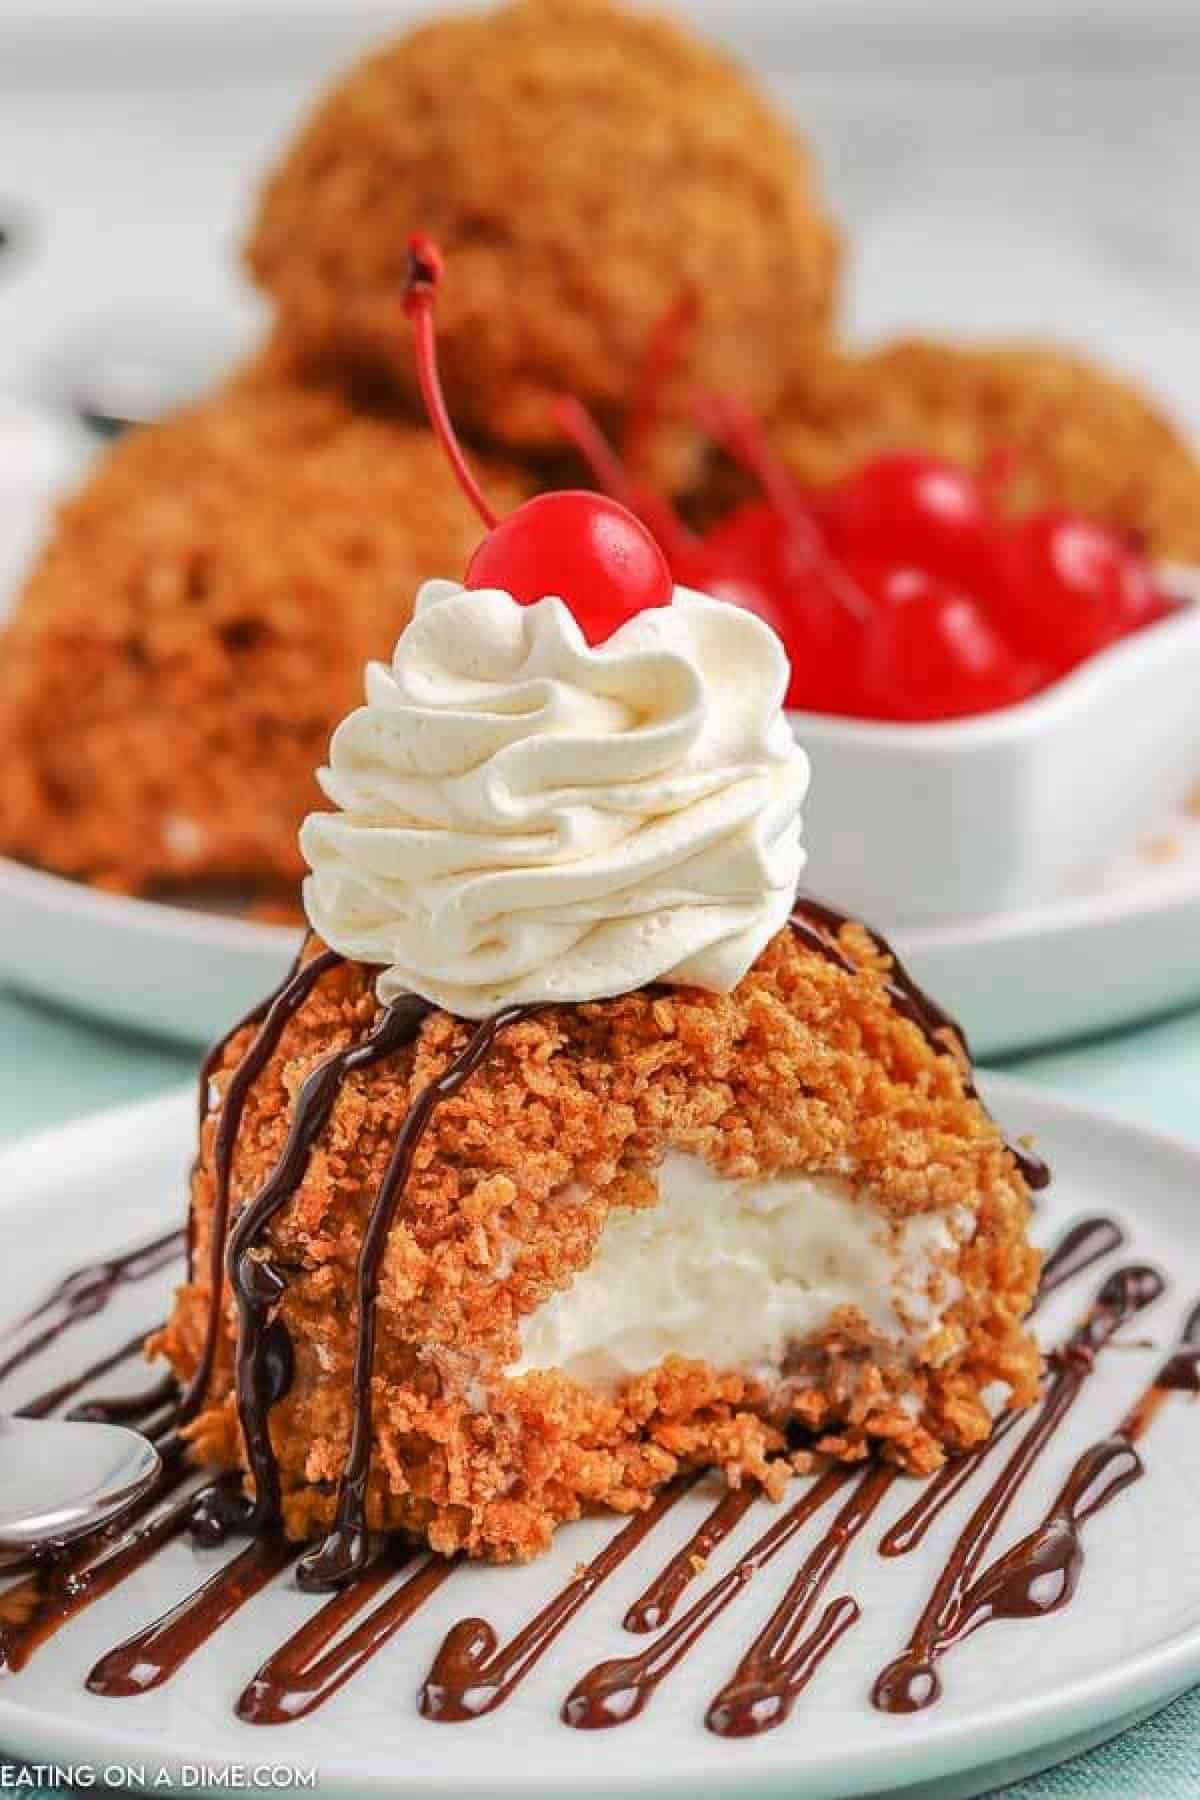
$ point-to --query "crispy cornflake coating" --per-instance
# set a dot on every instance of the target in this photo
(1079, 436)
(804, 1068)
(580, 165)
(199, 621)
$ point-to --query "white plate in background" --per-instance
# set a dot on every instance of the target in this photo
(1015, 980)
(1018, 1696)
(1032, 976)
(1077, 966)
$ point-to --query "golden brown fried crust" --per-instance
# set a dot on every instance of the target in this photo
(803, 1068)
(580, 164)
(198, 623)
(1079, 436)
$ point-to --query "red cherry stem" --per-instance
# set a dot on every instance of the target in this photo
(996, 474)
(612, 475)
(660, 359)
(731, 423)
(424, 277)
(581, 429)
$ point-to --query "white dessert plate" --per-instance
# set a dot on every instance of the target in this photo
(1017, 1695)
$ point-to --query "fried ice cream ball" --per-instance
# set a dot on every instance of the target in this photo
(197, 624)
(557, 1139)
(1074, 434)
(581, 166)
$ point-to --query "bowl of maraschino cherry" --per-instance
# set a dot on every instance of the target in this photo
(991, 703)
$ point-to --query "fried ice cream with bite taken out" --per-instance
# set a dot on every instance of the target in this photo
(559, 1324)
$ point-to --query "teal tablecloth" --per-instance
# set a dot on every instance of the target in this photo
(53, 1066)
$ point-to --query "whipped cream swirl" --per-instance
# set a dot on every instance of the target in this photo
(523, 817)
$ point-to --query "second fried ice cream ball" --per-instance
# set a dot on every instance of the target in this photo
(198, 622)
(580, 165)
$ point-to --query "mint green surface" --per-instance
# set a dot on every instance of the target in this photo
(54, 1067)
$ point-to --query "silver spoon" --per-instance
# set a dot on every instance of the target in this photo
(62, 1477)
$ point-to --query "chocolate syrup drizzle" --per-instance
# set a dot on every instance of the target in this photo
(656, 1603)
(257, 1283)
(1041, 1572)
(152, 1410)
(152, 1656)
(1082, 1245)
(911, 1681)
(346, 1549)
(819, 925)
(53, 1398)
(473, 1673)
(619, 1689)
(782, 1660)
(83, 1294)
(271, 1016)
(66, 1581)
(321, 1657)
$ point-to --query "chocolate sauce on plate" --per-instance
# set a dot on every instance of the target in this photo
(1081, 1246)
(782, 1660)
(53, 1398)
(71, 1579)
(321, 1657)
(152, 1656)
(619, 1689)
(83, 1294)
(1040, 1574)
(655, 1604)
(911, 1680)
(473, 1673)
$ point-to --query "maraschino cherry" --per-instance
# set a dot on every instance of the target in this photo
(1070, 587)
(916, 510)
(933, 653)
(583, 546)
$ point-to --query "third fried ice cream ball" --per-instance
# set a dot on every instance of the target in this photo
(581, 165)
(1069, 432)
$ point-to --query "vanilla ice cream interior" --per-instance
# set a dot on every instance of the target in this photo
(738, 1273)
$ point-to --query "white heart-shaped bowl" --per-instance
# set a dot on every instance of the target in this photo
(920, 823)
